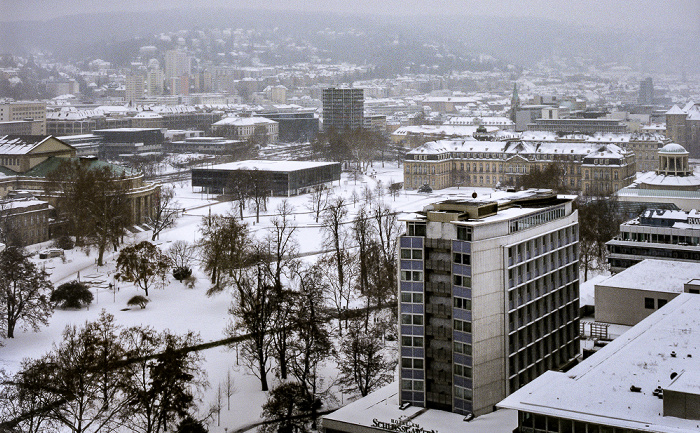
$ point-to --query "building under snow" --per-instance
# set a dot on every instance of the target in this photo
(633, 294)
(646, 380)
(591, 168)
(656, 233)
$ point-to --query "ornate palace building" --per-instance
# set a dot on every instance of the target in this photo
(592, 168)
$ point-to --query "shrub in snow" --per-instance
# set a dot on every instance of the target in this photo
(182, 272)
(139, 300)
(64, 242)
(73, 294)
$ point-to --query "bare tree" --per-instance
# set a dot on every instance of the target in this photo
(229, 389)
(252, 312)
(338, 295)
(165, 212)
(333, 218)
(164, 382)
(223, 247)
(25, 292)
(260, 191)
(317, 201)
(239, 189)
(310, 343)
(362, 232)
(181, 253)
(363, 366)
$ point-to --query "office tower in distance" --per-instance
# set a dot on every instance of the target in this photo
(489, 298)
(177, 64)
(646, 92)
(133, 86)
(343, 108)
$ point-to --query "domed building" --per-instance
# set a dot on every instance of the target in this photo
(674, 182)
(674, 172)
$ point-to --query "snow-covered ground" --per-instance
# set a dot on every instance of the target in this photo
(181, 309)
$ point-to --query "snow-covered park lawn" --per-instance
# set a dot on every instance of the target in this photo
(181, 309)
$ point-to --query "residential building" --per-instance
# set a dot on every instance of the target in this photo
(643, 381)
(260, 130)
(588, 167)
(133, 85)
(669, 234)
(343, 107)
(284, 178)
(177, 64)
(24, 110)
(632, 295)
(488, 296)
(154, 82)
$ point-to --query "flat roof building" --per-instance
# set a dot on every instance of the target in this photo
(646, 380)
(284, 177)
(656, 233)
(635, 293)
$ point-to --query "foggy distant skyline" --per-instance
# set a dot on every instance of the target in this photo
(677, 15)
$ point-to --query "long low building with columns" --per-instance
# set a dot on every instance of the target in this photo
(590, 168)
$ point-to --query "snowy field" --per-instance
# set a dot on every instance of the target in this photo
(181, 309)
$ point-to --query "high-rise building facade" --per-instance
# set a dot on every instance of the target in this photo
(646, 92)
(177, 64)
(343, 108)
(154, 82)
(489, 298)
(133, 88)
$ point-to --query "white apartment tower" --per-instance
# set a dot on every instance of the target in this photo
(489, 298)
(177, 64)
(133, 87)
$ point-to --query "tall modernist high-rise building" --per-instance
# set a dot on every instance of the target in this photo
(343, 107)
(489, 298)
(177, 64)
(646, 92)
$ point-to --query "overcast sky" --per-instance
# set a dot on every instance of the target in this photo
(681, 15)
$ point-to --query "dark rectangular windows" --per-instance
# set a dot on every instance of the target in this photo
(464, 233)
(462, 259)
(649, 303)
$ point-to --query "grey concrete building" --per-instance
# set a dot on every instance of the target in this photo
(488, 298)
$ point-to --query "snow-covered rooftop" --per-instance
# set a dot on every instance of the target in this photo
(598, 389)
(244, 121)
(656, 275)
(266, 165)
(20, 145)
(383, 406)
